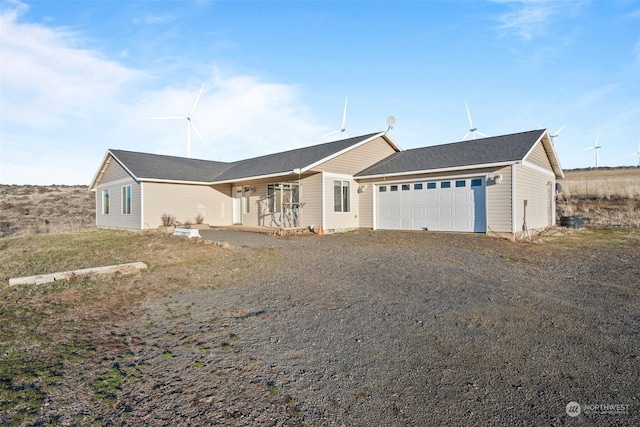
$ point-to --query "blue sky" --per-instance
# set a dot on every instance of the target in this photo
(79, 77)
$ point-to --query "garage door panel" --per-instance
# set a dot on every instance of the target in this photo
(458, 208)
(445, 197)
(445, 211)
(418, 212)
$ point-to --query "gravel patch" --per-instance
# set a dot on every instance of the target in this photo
(395, 329)
(242, 238)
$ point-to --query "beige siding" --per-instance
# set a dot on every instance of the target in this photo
(185, 202)
(258, 214)
(358, 159)
(365, 196)
(338, 221)
(311, 196)
(538, 157)
(113, 179)
(537, 188)
(499, 215)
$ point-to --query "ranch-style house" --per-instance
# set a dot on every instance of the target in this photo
(502, 185)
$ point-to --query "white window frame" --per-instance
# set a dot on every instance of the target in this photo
(105, 198)
(246, 199)
(344, 196)
(126, 199)
(274, 198)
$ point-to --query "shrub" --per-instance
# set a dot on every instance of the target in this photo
(168, 220)
(199, 218)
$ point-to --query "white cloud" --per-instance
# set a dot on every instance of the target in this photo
(528, 20)
(154, 19)
(239, 117)
(63, 105)
(47, 80)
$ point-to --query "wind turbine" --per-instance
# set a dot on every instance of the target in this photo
(343, 129)
(637, 153)
(595, 147)
(190, 124)
(556, 133)
(472, 131)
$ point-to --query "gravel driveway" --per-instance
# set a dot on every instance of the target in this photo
(396, 329)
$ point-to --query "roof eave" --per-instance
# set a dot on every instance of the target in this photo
(175, 181)
(103, 165)
(257, 177)
(438, 170)
(554, 161)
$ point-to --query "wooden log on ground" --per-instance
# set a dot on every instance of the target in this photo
(130, 268)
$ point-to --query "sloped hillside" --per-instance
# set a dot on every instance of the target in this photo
(32, 209)
(603, 196)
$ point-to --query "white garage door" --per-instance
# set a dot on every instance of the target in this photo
(444, 205)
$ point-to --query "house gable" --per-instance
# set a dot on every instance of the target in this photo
(359, 157)
(543, 155)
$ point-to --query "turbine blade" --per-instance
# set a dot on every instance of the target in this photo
(560, 130)
(195, 104)
(483, 134)
(198, 133)
(166, 118)
(588, 148)
(465, 136)
(344, 114)
(330, 134)
(468, 115)
(597, 139)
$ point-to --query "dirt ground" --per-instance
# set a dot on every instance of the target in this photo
(380, 328)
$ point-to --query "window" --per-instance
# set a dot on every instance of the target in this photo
(246, 200)
(283, 196)
(406, 187)
(445, 184)
(341, 196)
(477, 182)
(105, 202)
(126, 200)
(431, 185)
(382, 188)
(393, 188)
(274, 198)
(417, 186)
(461, 183)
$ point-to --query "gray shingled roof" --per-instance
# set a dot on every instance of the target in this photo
(497, 149)
(155, 166)
(287, 161)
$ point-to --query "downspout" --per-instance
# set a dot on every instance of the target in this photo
(513, 199)
(374, 201)
(322, 201)
(141, 205)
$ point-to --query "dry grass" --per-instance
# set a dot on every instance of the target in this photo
(601, 184)
(43, 328)
(604, 196)
(30, 209)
